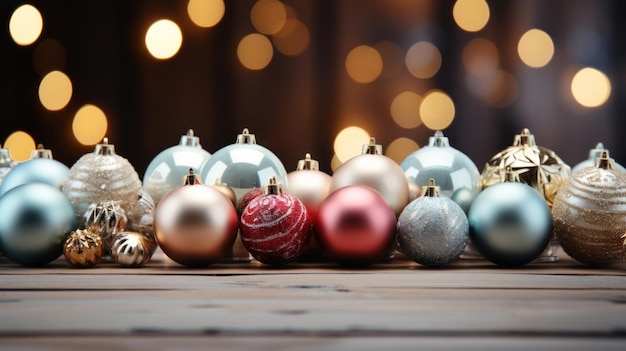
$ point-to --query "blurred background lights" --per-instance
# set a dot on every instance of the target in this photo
(268, 16)
(89, 125)
(393, 58)
(293, 38)
(423, 60)
(405, 109)
(364, 64)
(400, 148)
(590, 87)
(349, 142)
(255, 51)
(55, 90)
(206, 13)
(480, 56)
(471, 15)
(535, 48)
(437, 110)
(163, 39)
(335, 163)
(497, 88)
(49, 55)
(25, 25)
(20, 144)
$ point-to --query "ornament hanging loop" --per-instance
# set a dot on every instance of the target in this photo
(245, 137)
(372, 148)
(189, 139)
(41, 152)
(431, 190)
(273, 188)
(604, 161)
(308, 164)
(105, 148)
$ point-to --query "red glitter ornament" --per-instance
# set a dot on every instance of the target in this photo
(275, 227)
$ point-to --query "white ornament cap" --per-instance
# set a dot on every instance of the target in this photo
(438, 140)
(525, 138)
(431, 190)
(273, 188)
(191, 178)
(105, 148)
(605, 161)
(245, 137)
(372, 148)
(189, 139)
(308, 164)
(40, 152)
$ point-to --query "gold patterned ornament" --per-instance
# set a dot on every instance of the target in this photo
(590, 214)
(131, 249)
(83, 248)
(535, 165)
(108, 219)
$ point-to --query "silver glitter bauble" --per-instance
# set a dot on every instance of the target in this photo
(131, 249)
(107, 219)
(432, 229)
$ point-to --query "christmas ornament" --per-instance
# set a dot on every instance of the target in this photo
(101, 176)
(246, 198)
(141, 218)
(275, 227)
(40, 168)
(432, 229)
(510, 223)
(226, 190)
(6, 163)
(83, 248)
(591, 161)
(195, 224)
(355, 226)
(244, 165)
(106, 218)
(590, 213)
(131, 249)
(377, 171)
(454, 172)
(35, 222)
(310, 186)
(535, 165)
(170, 166)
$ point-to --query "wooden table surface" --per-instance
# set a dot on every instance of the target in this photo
(313, 306)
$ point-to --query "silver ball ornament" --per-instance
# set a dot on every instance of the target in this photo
(40, 168)
(131, 249)
(106, 218)
(432, 229)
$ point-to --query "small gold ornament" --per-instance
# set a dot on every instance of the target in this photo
(141, 218)
(535, 165)
(107, 219)
(83, 248)
(131, 249)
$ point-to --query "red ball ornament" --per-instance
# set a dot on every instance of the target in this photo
(275, 227)
(355, 226)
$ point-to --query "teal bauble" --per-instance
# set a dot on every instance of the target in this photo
(510, 223)
(6, 163)
(243, 166)
(40, 168)
(453, 171)
(35, 222)
(167, 169)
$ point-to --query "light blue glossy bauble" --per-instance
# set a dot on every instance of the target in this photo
(167, 169)
(510, 223)
(35, 221)
(243, 166)
(35, 170)
(454, 172)
(591, 160)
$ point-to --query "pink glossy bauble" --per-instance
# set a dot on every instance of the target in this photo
(355, 226)
(275, 228)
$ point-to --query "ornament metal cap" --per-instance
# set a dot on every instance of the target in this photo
(308, 164)
(524, 138)
(5, 156)
(191, 178)
(604, 161)
(438, 140)
(245, 137)
(105, 148)
(273, 188)
(431, 190)
(372, 148)
(189, 139)
(40, 152)
(510, 176)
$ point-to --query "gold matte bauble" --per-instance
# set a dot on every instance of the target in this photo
(83, 248)
(535, 165)
(590, 214)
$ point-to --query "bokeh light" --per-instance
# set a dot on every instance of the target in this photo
(364, 64)
(393, 58)
(349, 142)
(163, 39)
(423, 60)
(293, 38)
(535, 48)
(20, 144)
(335, 163)
(206, 13)
(437, 110)
(405, 109)
(268, 16)
(49, 55)
(400, 148)
(55, 90)
(497, 88)
(25, 25)
(480, 56)
(89, 125)
(255, 51)
(590, 87)
(471, 15)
